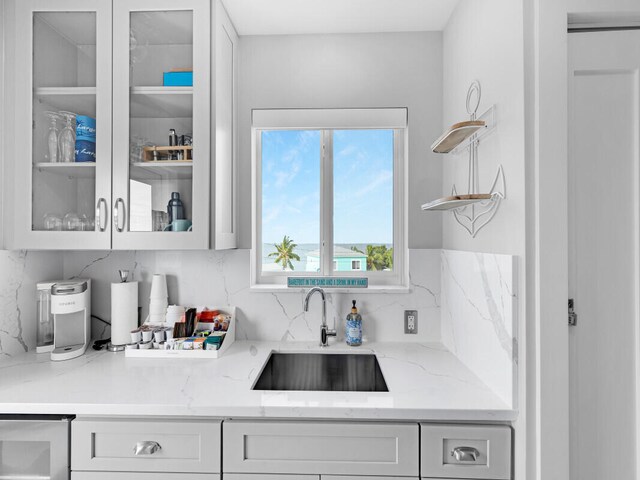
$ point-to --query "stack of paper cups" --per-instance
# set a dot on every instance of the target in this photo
(124, 311)
(174, 314)
(158, 300)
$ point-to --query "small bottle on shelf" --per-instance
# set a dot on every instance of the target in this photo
(175, 208)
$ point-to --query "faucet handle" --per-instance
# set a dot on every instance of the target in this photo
(324, 334)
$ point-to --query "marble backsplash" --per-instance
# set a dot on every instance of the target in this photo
(218, 278)
(479, 301)
(19, 273)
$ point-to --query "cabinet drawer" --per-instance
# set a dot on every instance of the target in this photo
(189, 446)
(142, 476)
(257, 476)
(321, 448)
(466, 451)
(358, 477)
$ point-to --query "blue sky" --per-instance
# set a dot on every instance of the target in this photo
(363, 186)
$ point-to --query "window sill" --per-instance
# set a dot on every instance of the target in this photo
(272, 288)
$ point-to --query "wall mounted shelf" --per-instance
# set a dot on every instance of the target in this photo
(457, 134)
(456, 201)
(471, 210)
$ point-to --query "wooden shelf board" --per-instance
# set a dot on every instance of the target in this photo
(456, 201)
(457, 134)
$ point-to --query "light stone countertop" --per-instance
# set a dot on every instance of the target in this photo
(425, 381)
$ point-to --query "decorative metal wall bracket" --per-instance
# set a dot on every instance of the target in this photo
(476, 215)
(472, 210)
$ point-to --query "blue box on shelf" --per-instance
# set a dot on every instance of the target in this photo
(177, 79)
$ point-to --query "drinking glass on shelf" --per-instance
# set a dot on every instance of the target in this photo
(52, 222)
(88, 224)
(71, 222)
(160, 220)
(67, 138)
(52, 137)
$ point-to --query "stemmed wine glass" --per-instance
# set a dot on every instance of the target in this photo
(67, 138)
(52, 137)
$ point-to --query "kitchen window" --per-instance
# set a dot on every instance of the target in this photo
(329, 195)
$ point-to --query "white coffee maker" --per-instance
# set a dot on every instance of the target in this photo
(71, 310)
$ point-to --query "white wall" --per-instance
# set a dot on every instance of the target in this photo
(485, 41)
(360, 70)
(547, 345)
(546, 24)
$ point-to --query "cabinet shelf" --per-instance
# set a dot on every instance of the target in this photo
(81, 100)
(74, 170)
(165, 169)
(161, 102)
(456, 201)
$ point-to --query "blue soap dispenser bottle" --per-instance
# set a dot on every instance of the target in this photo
(353, 328)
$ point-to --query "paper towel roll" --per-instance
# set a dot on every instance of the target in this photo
(124, 311)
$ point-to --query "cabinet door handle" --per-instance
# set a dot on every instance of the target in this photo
(146, 447)
(116, 214)
(100, 207)
(465, 454)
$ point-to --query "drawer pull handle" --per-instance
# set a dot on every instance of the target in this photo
(146, 448)
(465, 454)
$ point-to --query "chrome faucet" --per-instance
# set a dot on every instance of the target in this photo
(325, 332)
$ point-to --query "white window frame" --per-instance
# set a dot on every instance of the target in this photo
(356, 265)
(328, 120)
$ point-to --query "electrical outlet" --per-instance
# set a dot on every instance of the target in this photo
(411, 321)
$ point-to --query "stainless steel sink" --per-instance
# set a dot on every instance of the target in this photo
(322, 372)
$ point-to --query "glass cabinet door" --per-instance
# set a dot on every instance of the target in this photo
(34, 448)
(161, 124)
(63, 124)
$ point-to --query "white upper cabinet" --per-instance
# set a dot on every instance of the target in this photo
(114, 120)
(61, 191)
(156, 46)
(225, 180)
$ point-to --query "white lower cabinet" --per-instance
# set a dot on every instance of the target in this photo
(465, 452)
(192, 449)
(360, 477)
(321, 448)
(156, 446)
(257, 476)
(142, 476)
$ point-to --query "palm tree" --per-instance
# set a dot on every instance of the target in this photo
(379, 257)
(284, 253)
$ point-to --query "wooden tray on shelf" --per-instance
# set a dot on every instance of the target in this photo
(163, 153)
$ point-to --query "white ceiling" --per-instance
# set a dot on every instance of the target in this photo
(285, 17)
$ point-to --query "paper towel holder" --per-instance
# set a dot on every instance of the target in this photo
(124, 276)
